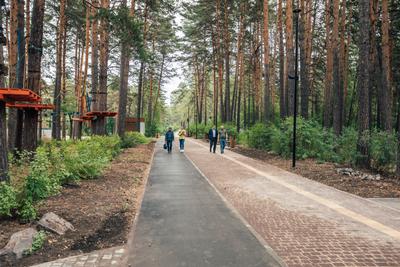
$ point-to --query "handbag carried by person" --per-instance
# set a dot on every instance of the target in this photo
(165, 146)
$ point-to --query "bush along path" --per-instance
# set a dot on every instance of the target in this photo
(91, 184)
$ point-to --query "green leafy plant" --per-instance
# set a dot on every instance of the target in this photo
(8, 199)
(132, 139)
(382, 151)
(38, 242)
(27, 211)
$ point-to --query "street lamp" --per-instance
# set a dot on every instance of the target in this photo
(296, 80)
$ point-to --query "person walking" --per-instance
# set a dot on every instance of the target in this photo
(222, 138)
(169, 138)
(182, 134)
(213, 137)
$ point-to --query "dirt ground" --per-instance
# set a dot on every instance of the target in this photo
(101, 210)
(388, 187)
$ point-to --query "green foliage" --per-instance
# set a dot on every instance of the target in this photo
(314, 141)
(383, 151)
(346, 147)
(202, 130)
(27, 211)
(38, 241)
(152, 130)
(58, 163)
(40, 183)
(8, 199)
(132, 139)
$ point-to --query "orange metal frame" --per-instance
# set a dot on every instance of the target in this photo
(30, 106)
(12, 95)
(101, 114)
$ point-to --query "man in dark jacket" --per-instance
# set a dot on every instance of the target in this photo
(213, 137)
(169, 138)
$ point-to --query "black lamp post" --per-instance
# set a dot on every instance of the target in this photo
(296, 80)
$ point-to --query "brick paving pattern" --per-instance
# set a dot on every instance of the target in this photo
(299, 238)
(102, 258)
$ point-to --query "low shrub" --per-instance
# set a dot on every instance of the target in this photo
(57, 163)
(8, 199)
(383, 151)
(132, 139)
(38, 241)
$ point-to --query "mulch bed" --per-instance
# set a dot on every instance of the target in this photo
(101, 210)
(388, 187)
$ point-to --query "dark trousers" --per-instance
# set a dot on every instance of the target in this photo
(169, 145)
(213, 144)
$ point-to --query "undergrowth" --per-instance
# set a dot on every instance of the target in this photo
(35, 177)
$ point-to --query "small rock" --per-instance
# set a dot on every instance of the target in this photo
(19, 243)
(56, 224)
(345, 171)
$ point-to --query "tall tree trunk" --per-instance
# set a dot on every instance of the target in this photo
(124, 75)
(142, 66)
(290, 56)
(219, 59)
(238, 54)
(3, 124)
(344, 53)
(27, 38)
(12, 67)
(34, 73)
(20, 70)
(328, 107)
(267, 93)
(282, 80)
(95, 63)
(385, 99)
(160, 77)
(104, 54)
(363, 83)
(227, 63)
(337, 88)
(374, 72)
(304, 31)
(64, 82)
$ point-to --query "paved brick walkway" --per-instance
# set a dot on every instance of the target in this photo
(102, 258)
(305, 222)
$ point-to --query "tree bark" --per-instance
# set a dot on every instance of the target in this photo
(304, 79)
(267, 92)
(34, 74)
(20, 70)
(227, 63)
(95, 62)
(104, 54)
(363, 83)
(141, 71)
(290, 56)
(328, 107)
(3, 123)
(282, 86)
(12, 78)
(385, 99)
(337, 88)
(124, 75)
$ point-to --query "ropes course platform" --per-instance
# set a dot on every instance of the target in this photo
(90, 116)
(23, 95)
(101, 114)
(30, 106)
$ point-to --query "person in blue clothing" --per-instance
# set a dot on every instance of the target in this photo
(169, 138)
